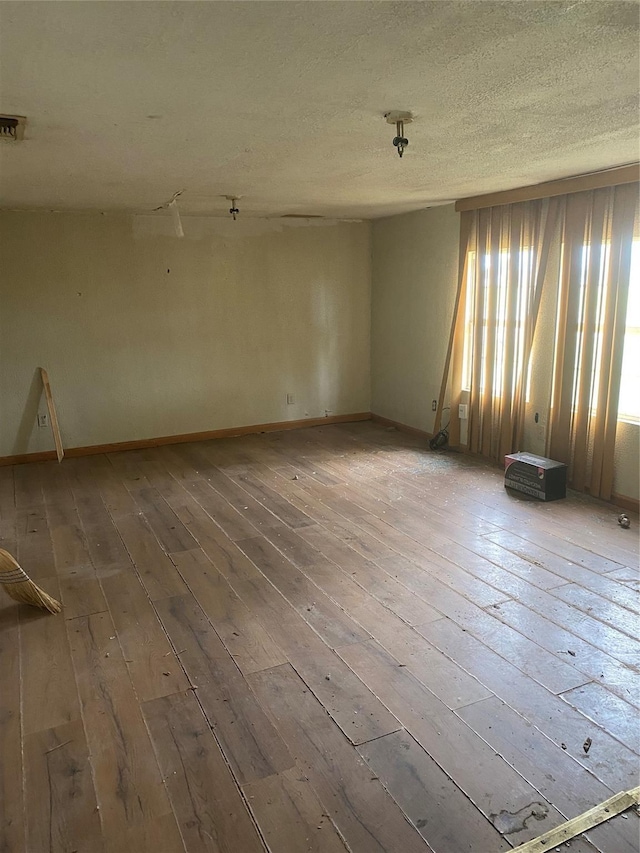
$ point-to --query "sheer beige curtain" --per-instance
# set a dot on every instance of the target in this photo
(504, 253)
(597, 237)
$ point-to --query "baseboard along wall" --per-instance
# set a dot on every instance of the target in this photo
(142, 443)
(631, 504)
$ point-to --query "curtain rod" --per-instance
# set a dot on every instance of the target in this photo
(593, 181)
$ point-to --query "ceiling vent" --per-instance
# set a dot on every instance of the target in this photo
(301, 216)
(12, 128)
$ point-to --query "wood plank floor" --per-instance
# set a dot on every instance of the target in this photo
(325, 640)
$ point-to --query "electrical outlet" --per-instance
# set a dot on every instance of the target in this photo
(43, 420)
(434, 405)
(463, 411)
(291, 398)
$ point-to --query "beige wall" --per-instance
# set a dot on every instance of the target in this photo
(415, 261)
(415, 268)
(147, 335)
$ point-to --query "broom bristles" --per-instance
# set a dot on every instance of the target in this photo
(17, 584)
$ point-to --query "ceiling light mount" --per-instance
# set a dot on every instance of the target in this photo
(172, 207)
(233, 210)
(399, 118)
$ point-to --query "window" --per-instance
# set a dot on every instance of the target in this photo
(629, 401)
(524, 261)
(495, 322)
(629, 405)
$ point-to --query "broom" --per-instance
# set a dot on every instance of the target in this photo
(18, 585)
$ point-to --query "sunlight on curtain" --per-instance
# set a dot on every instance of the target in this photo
(597, 241)
(629, 402)
(594, 240)
(505, 263)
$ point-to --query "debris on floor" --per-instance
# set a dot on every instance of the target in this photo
(587, 745)
(508, 823)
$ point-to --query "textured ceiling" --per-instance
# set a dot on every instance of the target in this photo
(282, 102)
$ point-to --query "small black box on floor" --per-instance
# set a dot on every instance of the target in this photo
(536, 476)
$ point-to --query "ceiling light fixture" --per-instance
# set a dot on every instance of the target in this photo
(399, 118)
(233, 210)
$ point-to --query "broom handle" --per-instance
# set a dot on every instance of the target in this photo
(447, 361)
(52, 414)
